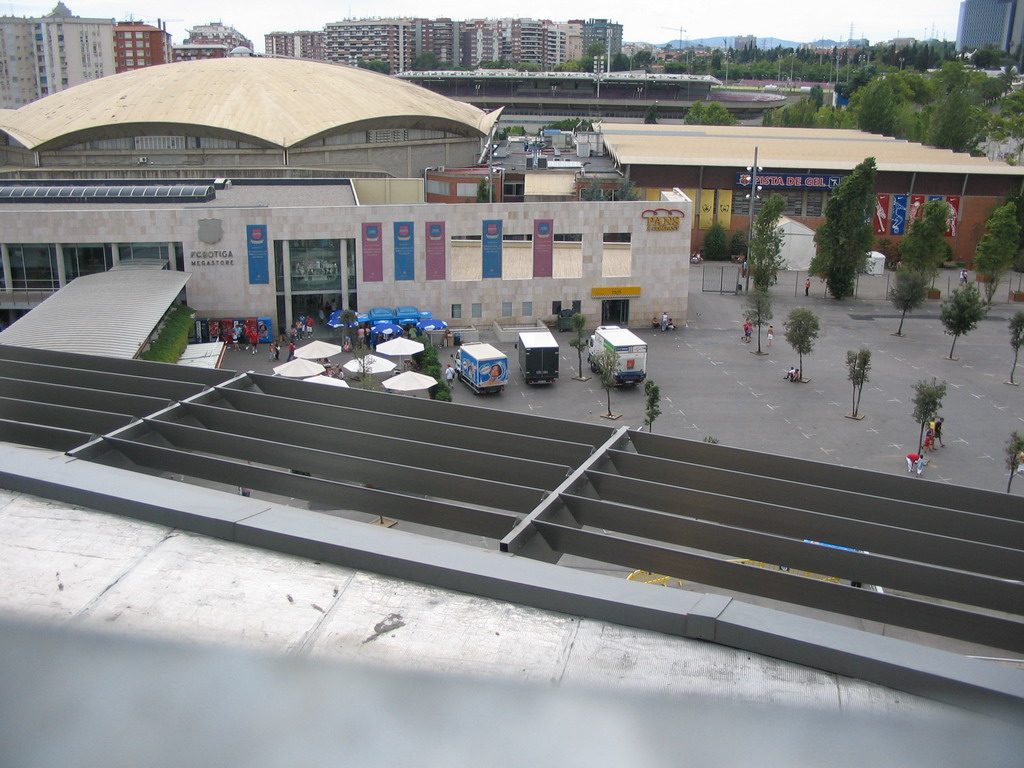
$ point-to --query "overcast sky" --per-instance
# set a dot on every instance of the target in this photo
(799, 20)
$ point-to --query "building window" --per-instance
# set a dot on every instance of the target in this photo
(569, 237)
(463, 189)
(86, 259)
(527, 309)
(617, 237)
(435, 187)
(456, 311)
(506, 309)
(34, 267)
(315, 265)
(556, 308)
(577, 307)
(477, 310)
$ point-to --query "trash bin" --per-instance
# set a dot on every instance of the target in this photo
(458, 339)
(565, 320)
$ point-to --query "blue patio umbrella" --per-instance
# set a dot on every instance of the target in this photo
(385, 331)
(434, 324)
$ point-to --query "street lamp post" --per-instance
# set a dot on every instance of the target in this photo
(754, 188)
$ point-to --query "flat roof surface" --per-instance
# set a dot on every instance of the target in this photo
(807, 149)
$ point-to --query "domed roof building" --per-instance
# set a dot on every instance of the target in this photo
(247, 116)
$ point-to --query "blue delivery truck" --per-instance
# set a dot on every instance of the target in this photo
(482, 368)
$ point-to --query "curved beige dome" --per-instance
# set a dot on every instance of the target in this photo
(275, 102)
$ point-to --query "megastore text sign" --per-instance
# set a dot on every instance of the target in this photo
(790, 180)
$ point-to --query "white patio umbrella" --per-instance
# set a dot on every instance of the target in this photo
(316, 350)
(299, 369)
(369, 364)
(400, 347)
(328, 381)
(410, 381)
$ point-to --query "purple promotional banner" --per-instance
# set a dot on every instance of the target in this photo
(405, 249)
(373, 254)
(435, 250)
(543, 247)
(898, 217)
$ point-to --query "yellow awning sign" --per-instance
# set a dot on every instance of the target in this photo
(625, 290)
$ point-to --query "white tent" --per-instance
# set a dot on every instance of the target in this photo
(299, 369)
(318, 349)
(875, 264)
(797, 245)
(327, 381)
(409, 381)
(369, 364)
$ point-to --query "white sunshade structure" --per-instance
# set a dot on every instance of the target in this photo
(299, 369)
(369, 364)
(400, 347)
(410, 381)
(317, 350)
(327, 381)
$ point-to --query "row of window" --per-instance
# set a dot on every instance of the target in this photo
(34, 266)
(476, 310)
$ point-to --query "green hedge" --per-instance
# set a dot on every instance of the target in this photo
(173, 337)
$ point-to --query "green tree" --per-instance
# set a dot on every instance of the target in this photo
(908, 293)
(817, 96)
(652, 408)
(592, 191)
(802, 329)
(642, 59)
(998, 247)
(483, 191)
(961, 313)
(956, 122)
(377, 65)
(845, 238)
(857, 366)
(878, 106)
(716, 114)
(927, 402)
(651, 114)
(766, 243)
(759, 311)
(716, 248)
(738, 243)
(1008, 123)
(625, 190)
(1016, 339)
(606, 365)
(426, 61)
(1014, 451)
(695, 114)
(579, 342)
(924, 247)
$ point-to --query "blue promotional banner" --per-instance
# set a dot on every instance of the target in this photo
(492, 248)
(259, 260)
(898, 218)
(790, 180)
(405, 242)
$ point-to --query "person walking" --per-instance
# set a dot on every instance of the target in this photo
(771, 334)
(664, 321)
(449, 375)
(963, 277)
(937, 431)
(807, 287)
(291, 351)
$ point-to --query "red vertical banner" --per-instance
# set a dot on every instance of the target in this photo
(435, 241)
(916, 206)
(953, 222)
(543, 247)
(881, 214)
(373, 254)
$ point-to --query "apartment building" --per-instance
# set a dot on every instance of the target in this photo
(138, 45)
(51, 53)
(307, 44)
(355, 40)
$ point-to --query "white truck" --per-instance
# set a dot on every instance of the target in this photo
(629, 349)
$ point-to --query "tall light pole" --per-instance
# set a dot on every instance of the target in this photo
(754, 188)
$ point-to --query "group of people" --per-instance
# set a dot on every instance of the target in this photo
(918, 461)
(793, 374)
(665, 322)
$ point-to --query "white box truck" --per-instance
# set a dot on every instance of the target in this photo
(629, 349)
(538, 356)
(482, 367)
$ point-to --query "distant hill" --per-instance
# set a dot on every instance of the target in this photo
(729, 41)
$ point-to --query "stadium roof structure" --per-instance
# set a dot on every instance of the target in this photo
(800, 149)
(518, 508)
(268, 101)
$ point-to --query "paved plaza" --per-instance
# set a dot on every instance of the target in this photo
(713, 386)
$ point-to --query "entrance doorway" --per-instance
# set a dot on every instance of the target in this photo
(615, 312)
(311, 304)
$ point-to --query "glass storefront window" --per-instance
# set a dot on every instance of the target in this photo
(315, 265)
(143, 252)
(350, 269)
(279, 266)
(86, 259)
(34, 267)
